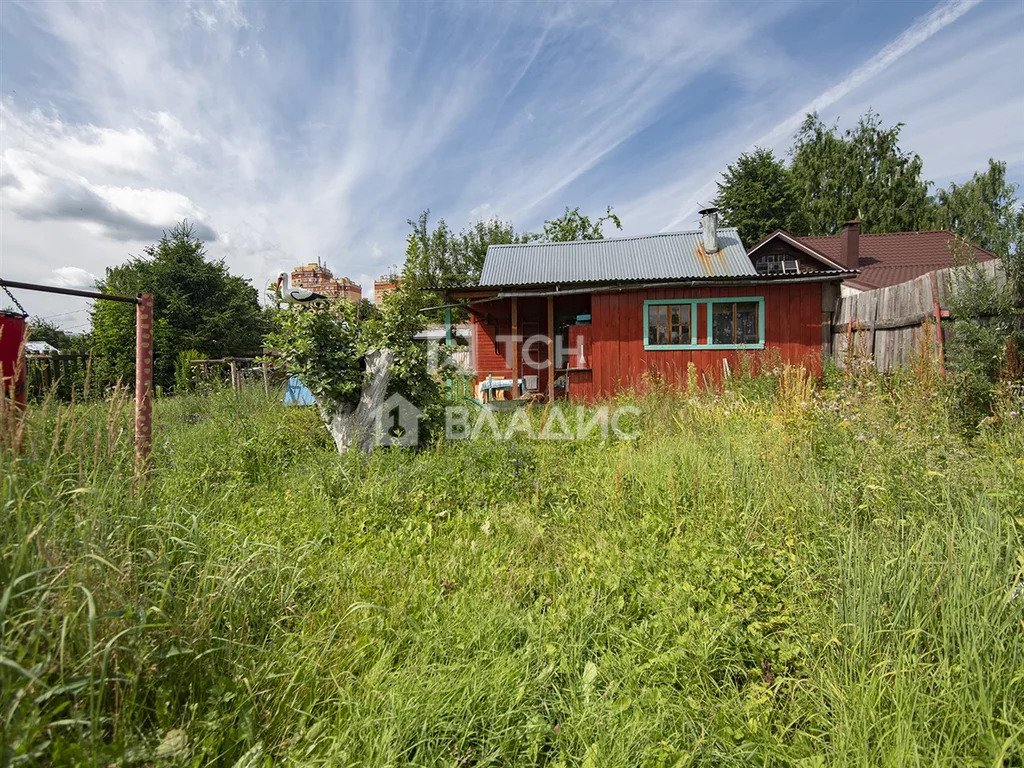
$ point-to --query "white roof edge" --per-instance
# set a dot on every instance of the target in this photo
(797, 244)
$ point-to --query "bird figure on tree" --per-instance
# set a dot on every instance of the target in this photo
(282, 291)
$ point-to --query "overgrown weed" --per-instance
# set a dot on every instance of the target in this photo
(775, 572)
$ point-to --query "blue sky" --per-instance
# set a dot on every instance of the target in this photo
(291, 132)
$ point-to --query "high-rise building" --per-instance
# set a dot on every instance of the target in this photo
(317, 277)
(384, 285)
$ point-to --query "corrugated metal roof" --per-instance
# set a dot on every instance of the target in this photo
(668, 256)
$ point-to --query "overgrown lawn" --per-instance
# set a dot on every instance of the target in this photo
(761, 578)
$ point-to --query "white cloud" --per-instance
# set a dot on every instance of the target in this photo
(54, 171)
(210, 14)
(292, 135)
(686, 200)
(919, 32)
(74, 277)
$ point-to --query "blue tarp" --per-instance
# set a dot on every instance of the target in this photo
(297, 393)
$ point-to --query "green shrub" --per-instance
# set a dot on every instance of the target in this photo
(184, 375)
(988, 315)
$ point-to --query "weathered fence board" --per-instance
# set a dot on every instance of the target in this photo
(59, 375)
(885, 325)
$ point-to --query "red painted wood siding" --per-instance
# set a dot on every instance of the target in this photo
(615, 344)
(490, 320)
(495, 319)
(792, 334)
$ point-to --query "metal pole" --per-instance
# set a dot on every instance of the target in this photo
(67, 291)
(517, 358)
(143, 381)
(551, 349)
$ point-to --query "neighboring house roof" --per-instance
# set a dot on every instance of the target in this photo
(667, 256)
(437, 332)
(797, 243)
(889, 258)
(40, 348)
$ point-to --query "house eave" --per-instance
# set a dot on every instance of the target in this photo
(806, 249)
(485, 293)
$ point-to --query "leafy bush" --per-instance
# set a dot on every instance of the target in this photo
(184, 375)
(326, 346)
(988, 314)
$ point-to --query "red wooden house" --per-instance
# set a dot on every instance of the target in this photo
(587, 319)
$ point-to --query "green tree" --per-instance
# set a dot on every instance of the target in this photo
(444, 258)
(326, 347)
(573, 225)
(988, 327)
(441, 258)
(198, 305)
(984, 211)
(861, 174)
(756, 195)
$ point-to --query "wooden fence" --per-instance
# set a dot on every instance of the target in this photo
(60, 375)
(886, 324)
(234, 371)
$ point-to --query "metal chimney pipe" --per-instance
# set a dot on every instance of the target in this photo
(709, 223)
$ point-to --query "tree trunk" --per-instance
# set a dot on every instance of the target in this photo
(358, 427)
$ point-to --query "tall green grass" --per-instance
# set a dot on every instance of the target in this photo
(767, 576)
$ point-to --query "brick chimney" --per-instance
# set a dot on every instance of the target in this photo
(849, 245)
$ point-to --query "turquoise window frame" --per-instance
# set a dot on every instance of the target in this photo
(735, 300)
(694, 319)
(692, 303)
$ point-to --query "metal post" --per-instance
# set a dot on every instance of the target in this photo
(234, 374)
(143, 381)
(551, 349)
(452, 395)
(517, 360)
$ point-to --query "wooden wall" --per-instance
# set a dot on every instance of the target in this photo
(617, 358)
(793, 334)
(885, 326)
(489, 321)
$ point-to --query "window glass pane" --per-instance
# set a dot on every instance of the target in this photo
(722, 323)
(652, 323)
(747, 331)
(735, 323)
(684, 323)
(668, 324)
